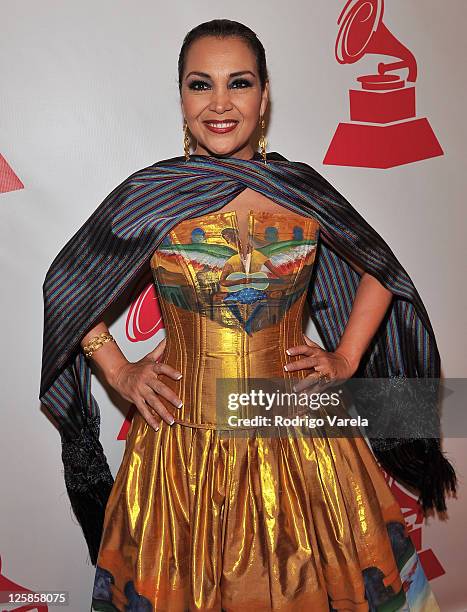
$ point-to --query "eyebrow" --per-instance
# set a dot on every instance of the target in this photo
(232, 74)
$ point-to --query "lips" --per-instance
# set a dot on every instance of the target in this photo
(221, 127)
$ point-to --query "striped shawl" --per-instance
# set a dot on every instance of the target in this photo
(113, 248)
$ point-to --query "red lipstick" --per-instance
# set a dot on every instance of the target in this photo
(221, 127)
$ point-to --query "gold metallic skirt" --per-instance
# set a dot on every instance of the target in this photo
(200, 519)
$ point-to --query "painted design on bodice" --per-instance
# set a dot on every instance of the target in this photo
(202, 266)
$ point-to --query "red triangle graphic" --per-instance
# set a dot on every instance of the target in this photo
(8, 179)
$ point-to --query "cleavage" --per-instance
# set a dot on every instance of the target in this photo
(244, 230)
(263, 204)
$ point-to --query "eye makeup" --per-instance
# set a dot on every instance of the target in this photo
(199, 85)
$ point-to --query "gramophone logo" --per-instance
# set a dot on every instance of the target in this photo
(383, 131)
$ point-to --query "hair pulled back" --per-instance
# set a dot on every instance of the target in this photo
(223, 28)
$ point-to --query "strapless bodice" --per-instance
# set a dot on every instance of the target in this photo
(227, 315)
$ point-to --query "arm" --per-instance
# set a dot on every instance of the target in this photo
(136, 382)
(109, 358)
(227, 269)
(371, 302)
(370, 305)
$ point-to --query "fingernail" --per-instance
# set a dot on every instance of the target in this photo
(178, 377)
(285, 367)
(287, 351)
(180, 405)
(156, 428)
(172, 422)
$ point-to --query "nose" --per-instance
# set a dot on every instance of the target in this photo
(220, 100)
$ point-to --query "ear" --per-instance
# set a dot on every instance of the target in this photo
(264, 99)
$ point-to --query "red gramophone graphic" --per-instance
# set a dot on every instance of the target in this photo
(144, 320)
(413, 516)
(383, 131)
(8, 588)
(144, 317)
(8, 179)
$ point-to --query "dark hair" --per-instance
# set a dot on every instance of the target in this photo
(223, 28)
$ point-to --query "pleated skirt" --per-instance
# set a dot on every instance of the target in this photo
(201, 519)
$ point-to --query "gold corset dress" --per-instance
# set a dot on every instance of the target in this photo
(218, 332)
(199, 519)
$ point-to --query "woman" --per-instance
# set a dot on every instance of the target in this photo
(203, 514)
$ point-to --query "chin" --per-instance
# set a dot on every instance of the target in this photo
(225, 148)
(221, 148)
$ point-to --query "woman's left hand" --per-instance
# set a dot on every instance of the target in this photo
(327, 368)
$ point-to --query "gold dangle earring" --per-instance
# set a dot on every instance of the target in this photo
(263, 142)
(186, 141)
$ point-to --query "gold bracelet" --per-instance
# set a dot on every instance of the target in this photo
(95, 343)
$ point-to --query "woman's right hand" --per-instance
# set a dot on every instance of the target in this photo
(140, 384)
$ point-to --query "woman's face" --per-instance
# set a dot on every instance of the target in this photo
(221, 96)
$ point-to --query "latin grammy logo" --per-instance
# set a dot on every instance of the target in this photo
(383, 131)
